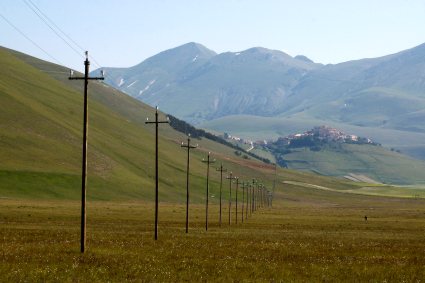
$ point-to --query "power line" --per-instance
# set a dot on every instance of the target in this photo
(48, 25)
(64, 33)
(57, 30)
(56, 26)
(30, 40)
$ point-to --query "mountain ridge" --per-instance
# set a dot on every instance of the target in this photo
(155, 83)
(385, 93)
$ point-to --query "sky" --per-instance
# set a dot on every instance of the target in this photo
(126, 32)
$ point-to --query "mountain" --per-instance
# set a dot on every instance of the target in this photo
(376, 92)
(232, 92)
(206, 85)
(384, 92)
(382, 98)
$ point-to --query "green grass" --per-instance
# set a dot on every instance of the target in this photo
(309, 235)
(369, 189)
(373, 161)
(41, 140)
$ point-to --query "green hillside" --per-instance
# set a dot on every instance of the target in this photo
(375, 162)
(379, 163)
(40, 140)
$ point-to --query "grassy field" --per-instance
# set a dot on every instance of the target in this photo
(314, 232)
(309, 235)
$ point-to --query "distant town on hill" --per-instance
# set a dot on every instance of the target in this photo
(319, 135)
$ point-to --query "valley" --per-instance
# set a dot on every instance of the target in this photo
(212, 141)
(315, 227)
(260, 93)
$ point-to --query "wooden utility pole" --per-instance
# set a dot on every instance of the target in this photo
(86, 79)
(243, 199)
(230, 177)
(189, 147)
(275, 176)
(247, 199)
(208, 161)
(253, 195)
(237, 186)
(221, 169)
(256, 196)
(156, 122)
(259, 195)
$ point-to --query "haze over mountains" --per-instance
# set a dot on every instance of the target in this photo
(207, 85)
(262, 93)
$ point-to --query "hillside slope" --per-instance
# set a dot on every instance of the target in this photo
(340, 160)
(40, 140)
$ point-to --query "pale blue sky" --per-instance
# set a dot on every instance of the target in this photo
(123, 33)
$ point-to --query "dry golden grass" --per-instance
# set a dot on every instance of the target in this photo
(309, 235)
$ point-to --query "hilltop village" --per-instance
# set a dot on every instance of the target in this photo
(323, 134)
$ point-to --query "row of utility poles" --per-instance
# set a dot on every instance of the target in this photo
(257, 196)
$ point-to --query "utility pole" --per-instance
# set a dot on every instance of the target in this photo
(271, 198)
(208, 161)
(275, 175)
(253, 195)
(267, 198)
(247, 199)
(237, 185)
(243, 198)
(256, 196)
(86, 79)
(189, 147)
(259, 195)
(230, 177)
(221, 169)
(156, 122)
